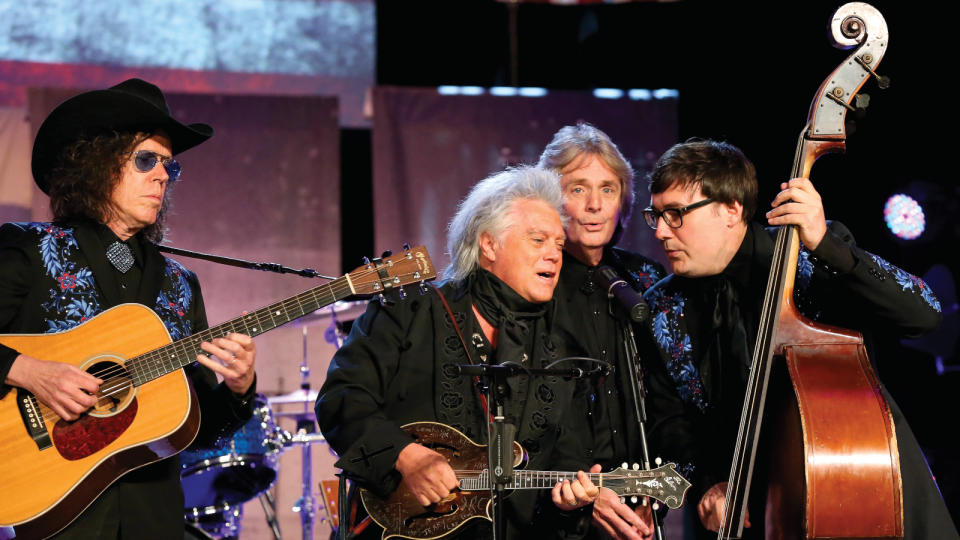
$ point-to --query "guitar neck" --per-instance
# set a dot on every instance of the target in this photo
(527, 480)
(178, 354)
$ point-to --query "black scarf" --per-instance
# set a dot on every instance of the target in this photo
(523, 337)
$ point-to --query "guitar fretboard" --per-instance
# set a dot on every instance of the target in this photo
(529, 479)
(178, 354)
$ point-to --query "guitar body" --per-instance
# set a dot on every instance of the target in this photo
(42, 491)
(401, 515)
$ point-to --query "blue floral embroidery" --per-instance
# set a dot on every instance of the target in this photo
(173, 303)
(647, 275)
(667, 309)
(75, 298)
(908, 282)
(804, 270)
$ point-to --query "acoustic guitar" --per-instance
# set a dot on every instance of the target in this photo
(401, 515)
(146, 409)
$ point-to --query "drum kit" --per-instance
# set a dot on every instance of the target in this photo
(217, 481)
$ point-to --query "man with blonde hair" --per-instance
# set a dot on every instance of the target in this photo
(597, 184)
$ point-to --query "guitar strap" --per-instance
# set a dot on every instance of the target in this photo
(466, 349)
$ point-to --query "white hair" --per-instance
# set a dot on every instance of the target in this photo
(485, 210)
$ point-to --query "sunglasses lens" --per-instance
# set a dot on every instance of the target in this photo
(173, 170)
(145, 161)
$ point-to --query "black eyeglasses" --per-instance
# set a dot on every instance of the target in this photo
(673, 217)
(146, 160)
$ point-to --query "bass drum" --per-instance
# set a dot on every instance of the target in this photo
(235, 470)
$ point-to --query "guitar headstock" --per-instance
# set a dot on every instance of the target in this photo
(663, 484)
(380, 275)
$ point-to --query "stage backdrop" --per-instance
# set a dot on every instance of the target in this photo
(430, 148)
(264, 188)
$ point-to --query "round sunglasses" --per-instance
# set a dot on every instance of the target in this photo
(146, 160)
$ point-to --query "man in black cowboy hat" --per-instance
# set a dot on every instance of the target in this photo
(105, 158)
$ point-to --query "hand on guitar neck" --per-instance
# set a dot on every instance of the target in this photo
(569, 495)
(63, 387)
(233, 358)
(712, 505)
(426, 473)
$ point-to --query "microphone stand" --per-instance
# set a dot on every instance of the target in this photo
(501, 433)
(638, 394)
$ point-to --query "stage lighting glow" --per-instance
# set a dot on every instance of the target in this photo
(666, 93)
(503, 91)
(448, 90)
(904, 216)
(607, 93)
(471, 90)
(532, 91)
(640, 94)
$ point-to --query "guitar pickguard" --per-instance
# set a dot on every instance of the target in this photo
(89, 434)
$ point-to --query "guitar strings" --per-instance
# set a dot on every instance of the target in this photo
(110, 374)
(117, 373)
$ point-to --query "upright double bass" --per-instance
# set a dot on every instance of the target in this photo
(834, 464)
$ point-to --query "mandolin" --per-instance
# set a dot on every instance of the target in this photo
(401, 515)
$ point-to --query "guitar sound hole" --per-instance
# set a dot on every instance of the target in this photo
(115, 392)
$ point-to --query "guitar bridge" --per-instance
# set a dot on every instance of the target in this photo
(33, 419)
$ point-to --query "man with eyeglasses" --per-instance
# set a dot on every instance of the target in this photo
(105, 158)
(597, 184)
(706, 316)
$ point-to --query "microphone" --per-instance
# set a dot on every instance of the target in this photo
(617, 288)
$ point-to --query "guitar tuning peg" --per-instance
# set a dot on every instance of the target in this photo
(655, 506)
(636, 466)
(406, 246)
(625, 465)
(386, 254)
(633, 499)
(366, 260)
(422, 288)
(645, 501)
(402, 293)
(658, 461)
(623, 500)
(382, 300)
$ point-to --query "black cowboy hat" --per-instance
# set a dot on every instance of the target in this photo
(133, 104)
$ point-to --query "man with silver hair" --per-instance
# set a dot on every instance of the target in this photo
(399, 364)
(597, 184)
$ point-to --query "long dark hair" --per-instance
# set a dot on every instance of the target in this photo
(87, 171)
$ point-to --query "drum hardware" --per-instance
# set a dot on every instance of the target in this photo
(218, 480)
(306, 504)
(269, 505)
(215, 521)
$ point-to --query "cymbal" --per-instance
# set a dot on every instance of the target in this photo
(344, 311)
(297, 396)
